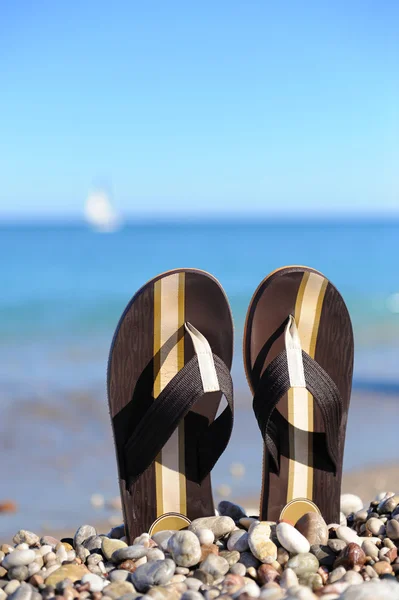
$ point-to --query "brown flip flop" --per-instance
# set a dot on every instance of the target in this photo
(298, 356)
(169, 366)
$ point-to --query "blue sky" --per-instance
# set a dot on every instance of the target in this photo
(222, 107)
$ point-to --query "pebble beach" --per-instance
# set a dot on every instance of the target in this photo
(231, 555)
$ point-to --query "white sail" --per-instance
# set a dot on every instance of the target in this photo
(100, 213)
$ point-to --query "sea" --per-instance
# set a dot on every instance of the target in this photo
(63, 288)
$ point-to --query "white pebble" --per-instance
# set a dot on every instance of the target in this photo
(348, 535)
(205, 536)
(291, 539)
(95, 581)
(350, 503)
(18, 558)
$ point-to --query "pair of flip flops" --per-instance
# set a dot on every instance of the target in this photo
(169, 367)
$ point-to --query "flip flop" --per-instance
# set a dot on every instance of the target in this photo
(169, 366)
(298, 356)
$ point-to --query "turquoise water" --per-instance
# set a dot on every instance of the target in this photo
(63, 288)
(62, 292)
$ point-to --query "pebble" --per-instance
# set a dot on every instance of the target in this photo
(72, 572)
(23, 592)
(215, 565)
(18, 558)
(336, 574)
(161, 538)
(108, 546)
(260, 543)
(95, 581)
(373, 590)
(220, 526)
(20, 573)
(238, 569)
(229, 509)
(205, 536)
(155, 573)
(128, 553)
(118, 589)
(185, 548)
(291, 539)
(238, 540)
(155, 554)
(350, 504)
(370, 549)
(303, 563)
(26, 537)
(375, 526)
(351, 556)
(347, 535)
(83, 533)
(324, 555)
(232, 557)
(314, 528)
(392, 529)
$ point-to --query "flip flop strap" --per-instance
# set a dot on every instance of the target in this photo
(275, 383)
(168, 410)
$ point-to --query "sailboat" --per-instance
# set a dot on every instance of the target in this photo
(100, 213)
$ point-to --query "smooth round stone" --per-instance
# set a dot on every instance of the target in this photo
(229, 509)
(26, 537)
(246, 522)
(375, 526)
(232, 557)
(109, 546)
(238, 569)
(370, 549)
(93, 543)
(129, 553)
(252, 589)
(324, 555)
(205, 536)
(336, 545)
(388, 505)
(291, 539)
(347, 535)
(18, 558)
(215, 565)
(118, 575)
(336, 574)
(220, 526)
(272, 593)
(11, 586)
(353, 578)
(351, 556)
(381, 567)
(193, 583)
(303, 563)
(154, 573)
(83, 533)
(185, 548)
(192, 595)
(249, 560)
(288, 579)
(373, 590)
(95, 581)
(350, 503)
(260, 543)
(161, 538)
(19, 573)
(155, 554)
(118, 589)
(314, 528)
(238, 540)
(72, 572)
(392, 530)
(24, 592)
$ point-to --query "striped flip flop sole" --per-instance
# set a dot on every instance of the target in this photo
(149, 348)
(305, 482)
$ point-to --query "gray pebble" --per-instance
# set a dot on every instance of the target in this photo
(238, 540)
(193, 583)
(93, 543)
(155, 554)
(191, 595)
(185, 548)
(219, 526)
(11, 586)
(20, 573)
(238, 569)
(118, 575)
(229, 509)
(18, 558)
(83, 533)
(117, 533)
(336, 574)
(23, 592)
(215, 565)
(130, 552)
(324, 555)
(249, 560)
(26, 537)
(161, 538)
(155, 573)
(336, 545)
(232, 557)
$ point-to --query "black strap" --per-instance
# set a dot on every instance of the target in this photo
(275, 383)
(166, 412)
